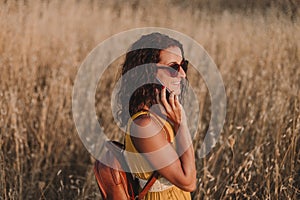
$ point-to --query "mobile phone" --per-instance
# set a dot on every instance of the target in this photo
(160, 86)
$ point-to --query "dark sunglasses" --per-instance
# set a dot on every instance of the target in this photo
(174, 68)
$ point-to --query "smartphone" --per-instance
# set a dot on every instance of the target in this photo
(160, 86)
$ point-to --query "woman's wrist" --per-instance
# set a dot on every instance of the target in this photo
(182, 123)
(182, 127)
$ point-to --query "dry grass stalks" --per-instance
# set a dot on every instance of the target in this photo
(42, 44)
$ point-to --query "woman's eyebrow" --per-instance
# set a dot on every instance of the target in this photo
(174, 62)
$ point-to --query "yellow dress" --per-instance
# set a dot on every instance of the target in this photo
(139, 163)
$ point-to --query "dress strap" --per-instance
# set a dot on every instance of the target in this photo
(136, 115)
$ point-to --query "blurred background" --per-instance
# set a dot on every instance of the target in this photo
(255, 45)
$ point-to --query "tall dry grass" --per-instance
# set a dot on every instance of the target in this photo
(42, 44)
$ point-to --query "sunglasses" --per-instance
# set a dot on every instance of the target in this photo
(174, 68)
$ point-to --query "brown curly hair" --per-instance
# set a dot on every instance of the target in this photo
(140, 62)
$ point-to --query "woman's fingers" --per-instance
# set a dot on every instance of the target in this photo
(171, 99)
(172, 102)
(176, 101)
(172, 106)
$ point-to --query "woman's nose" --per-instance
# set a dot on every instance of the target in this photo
(181, 73)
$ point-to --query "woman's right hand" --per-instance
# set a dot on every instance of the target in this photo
(172, 107)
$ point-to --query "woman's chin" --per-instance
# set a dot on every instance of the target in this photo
(177, 91)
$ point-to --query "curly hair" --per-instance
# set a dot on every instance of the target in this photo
(139, 69)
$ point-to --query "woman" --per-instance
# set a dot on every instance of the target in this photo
(158, 135)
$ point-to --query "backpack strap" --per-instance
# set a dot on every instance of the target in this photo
(115, 148)
(148, 185)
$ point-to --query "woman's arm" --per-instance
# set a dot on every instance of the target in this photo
(179, 170)
(176, 165)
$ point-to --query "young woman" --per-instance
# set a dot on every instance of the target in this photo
(157, 136)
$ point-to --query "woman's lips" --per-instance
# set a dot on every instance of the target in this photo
(176, 83)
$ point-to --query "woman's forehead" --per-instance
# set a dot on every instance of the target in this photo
(171, 53)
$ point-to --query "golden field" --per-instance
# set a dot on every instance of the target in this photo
(256, 48)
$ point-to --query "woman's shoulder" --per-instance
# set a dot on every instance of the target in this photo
(143, 119)
(147, 118)
(150, 124)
